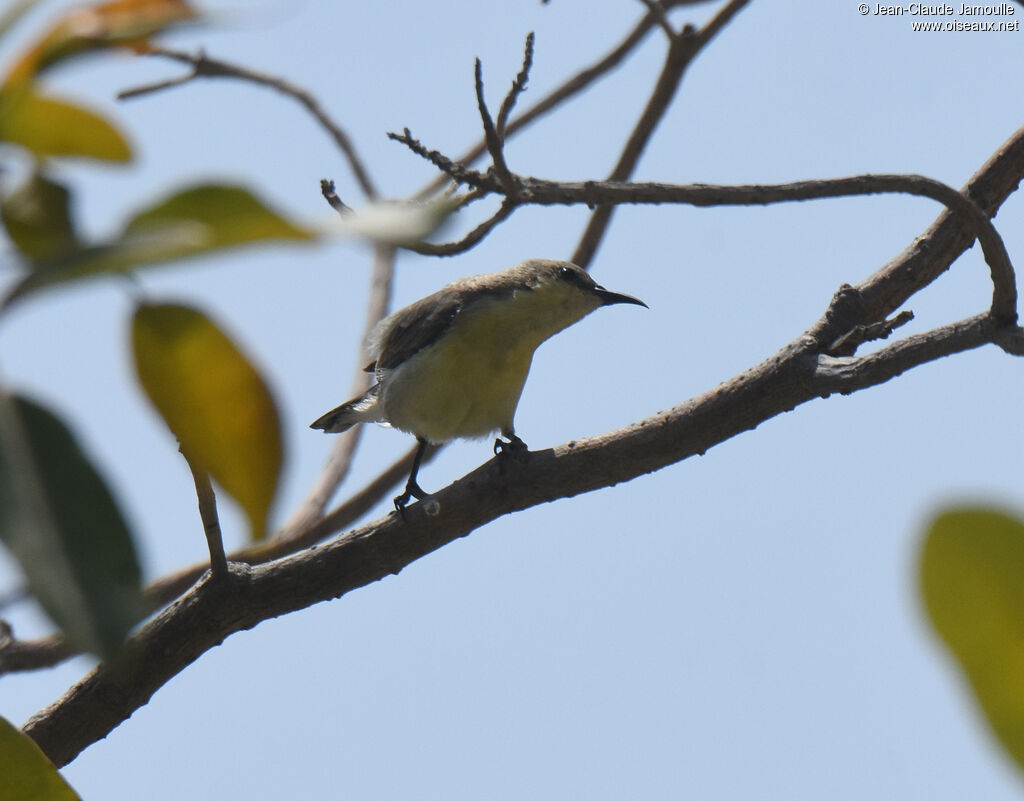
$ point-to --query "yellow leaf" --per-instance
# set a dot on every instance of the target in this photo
(214, 401)
(27, 773)
(51, 127)
(972, 580)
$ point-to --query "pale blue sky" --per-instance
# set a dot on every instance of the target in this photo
(743, 625)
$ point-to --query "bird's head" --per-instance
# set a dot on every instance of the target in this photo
(572, 285)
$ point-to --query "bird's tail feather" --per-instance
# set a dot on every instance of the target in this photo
(360, 410)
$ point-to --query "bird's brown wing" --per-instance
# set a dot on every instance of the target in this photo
(422, 323)
(418, 325)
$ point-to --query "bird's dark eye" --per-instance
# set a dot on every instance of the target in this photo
(575, 276)
(571, 275)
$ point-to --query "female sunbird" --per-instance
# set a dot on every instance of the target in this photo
(453, 365)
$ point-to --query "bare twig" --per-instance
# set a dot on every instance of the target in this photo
(569, 89)
(156, 86)
(494, 143)
(472, 238)
(518, 87)
(720, 20)
(205, 67)
(453, 169)
(23, 655)
(659, 14)
(681, 52)
(208, 514)
(848, 343)
(847, 374)
(335, 202)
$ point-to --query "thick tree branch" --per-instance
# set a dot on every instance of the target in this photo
(212, 611)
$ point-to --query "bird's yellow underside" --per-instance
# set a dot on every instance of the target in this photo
(468, 384)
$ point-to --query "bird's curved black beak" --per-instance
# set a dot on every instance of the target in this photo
(609, 298)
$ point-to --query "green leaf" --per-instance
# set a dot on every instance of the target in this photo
(38, 219)
(51, 127)
(61, 523)
(214, 401)
(229, 216)
(27, 773)
(189, 223)
(972, 580)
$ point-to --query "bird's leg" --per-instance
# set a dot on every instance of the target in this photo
(412, 489)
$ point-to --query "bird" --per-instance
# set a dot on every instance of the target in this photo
(453, 364)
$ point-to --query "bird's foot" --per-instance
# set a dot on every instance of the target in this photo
(412, 490)
(514, 445)
(514, 448)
